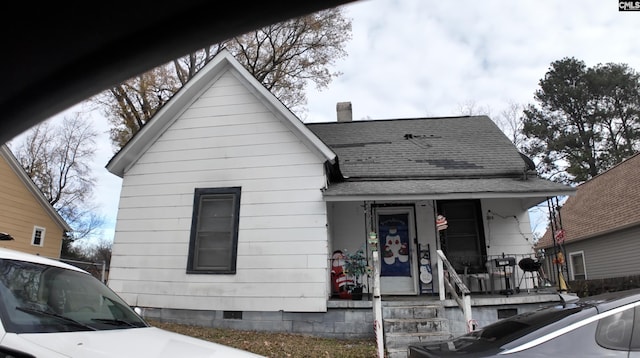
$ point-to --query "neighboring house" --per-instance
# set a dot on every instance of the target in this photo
(601, 226)
(27, 216)
(231, 208)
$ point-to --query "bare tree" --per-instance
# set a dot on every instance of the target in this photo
(284, 57)
(57, 159)
(98, 251)
(471, 108)
(510, 122)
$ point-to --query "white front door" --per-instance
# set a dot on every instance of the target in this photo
(396, 232)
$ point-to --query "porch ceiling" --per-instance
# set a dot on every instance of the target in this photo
(532, 191)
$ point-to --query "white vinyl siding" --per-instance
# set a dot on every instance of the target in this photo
(227, 138)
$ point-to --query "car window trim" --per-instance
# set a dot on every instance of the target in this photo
(569, 328)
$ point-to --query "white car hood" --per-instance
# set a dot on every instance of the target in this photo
(148, 342)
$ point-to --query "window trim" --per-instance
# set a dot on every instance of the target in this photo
(42, 231)
(584, 265)
(199, 195)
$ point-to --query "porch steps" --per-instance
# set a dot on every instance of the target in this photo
(409, 322)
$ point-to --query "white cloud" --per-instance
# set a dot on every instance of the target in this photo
(424, 58)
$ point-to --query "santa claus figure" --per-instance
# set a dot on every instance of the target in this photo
(341, 283)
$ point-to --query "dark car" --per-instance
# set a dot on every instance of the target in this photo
(595, 326)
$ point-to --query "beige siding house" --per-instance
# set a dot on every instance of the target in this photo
(26, 215)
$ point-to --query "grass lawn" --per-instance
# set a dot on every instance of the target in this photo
(276, 345)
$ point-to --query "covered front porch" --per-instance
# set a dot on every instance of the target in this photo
(487, 241)
(444, 256)
(501, 292)
(403, 320)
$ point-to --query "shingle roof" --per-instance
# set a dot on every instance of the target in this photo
(608, 202)
(430, 158)
(448, 147)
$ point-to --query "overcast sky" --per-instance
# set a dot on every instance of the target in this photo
(416, 58)
(412, 58)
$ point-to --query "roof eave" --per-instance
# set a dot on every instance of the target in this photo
(31, 186)
(528, 198)
(169, 113)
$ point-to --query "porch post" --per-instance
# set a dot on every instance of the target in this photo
(440, 277)
(377, 306)
(466, 310)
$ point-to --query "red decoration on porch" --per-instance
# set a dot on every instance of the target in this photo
(441, 222)
(560, 234)
(340, 281)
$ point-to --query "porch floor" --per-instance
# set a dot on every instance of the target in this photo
(546, 295)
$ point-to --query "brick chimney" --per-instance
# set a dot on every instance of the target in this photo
(344, 111)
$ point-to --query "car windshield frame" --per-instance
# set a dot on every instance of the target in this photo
(41, 298)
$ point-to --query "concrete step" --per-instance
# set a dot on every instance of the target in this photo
(407, 323)
(412, 311)
(412, 325)
(398, 343)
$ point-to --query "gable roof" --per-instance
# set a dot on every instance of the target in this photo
(8, 156)
(421, 148)
(190, 92)
(422, 158)
(434, 158)
(608, 202)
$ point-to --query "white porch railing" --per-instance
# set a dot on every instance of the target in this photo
(377, 306)
(454, 284)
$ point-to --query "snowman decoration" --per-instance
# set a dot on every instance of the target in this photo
(425, 273)
(392, 246)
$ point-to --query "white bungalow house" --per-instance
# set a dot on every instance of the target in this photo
(231, 208)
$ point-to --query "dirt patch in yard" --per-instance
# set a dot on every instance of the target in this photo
(275, 345)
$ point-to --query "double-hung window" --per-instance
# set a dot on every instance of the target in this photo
(213, 244)
(38, 236)
(578, 269)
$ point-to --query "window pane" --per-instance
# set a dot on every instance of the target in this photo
(577, 264)
(216, 206)
(213, 248)
(213, 259)
(614, 332)
(216, 213)
(213, 242)
(213, 251)
(38, 233)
